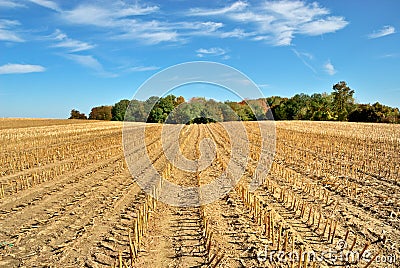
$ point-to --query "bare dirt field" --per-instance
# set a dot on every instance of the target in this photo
(68, 199)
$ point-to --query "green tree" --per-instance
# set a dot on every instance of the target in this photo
(287, 110)
(101, 113)
(161, 109)
(156, 115)
(181, 115)
(320, 107)
(136, 112)
(300, 106)
(119, 109)
(364, 113)
(278, 108)
(228, 114)
(343, 100)
(386, 114)
(259, 108)
(274, 102)
(75, 114)
(243, 110)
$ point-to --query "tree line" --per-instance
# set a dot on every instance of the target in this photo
(339, 105)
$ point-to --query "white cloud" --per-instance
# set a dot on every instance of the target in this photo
(142, 68)
(237, 6)
(386, 30)
(47, 4)
(90, 62)
(390, 55)
(199, 28)
(208, 28)
(278, 22)
(134, 10)
(87, 61)
(235, 33)
(71, 44)
(148, 35)
(127, 23)
(322, 26)
(7, 33)
(307, 55)
(298, 11)
(214, 51)
(10, 4)
(110, 15)
(275, 22)
(123, 19)
(8, 23)
(304, 56)
(21, 68)
(260, 38)
(90, 15)
(329, 68)
(152, 38)
(282, 35)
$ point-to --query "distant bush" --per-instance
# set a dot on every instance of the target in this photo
(376, 113)
(75, 114)
(118, 110)
(101, 113)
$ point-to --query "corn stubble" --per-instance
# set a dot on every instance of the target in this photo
(323, 175)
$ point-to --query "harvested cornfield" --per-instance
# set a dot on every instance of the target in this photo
(68, 198)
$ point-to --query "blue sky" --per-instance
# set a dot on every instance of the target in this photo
(57, 55)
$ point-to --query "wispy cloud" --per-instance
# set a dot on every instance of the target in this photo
(386, 30)
(47, 4)
(214, 51)
(196, 28)
(329, 68)
(125, 20)
(304, 57)
(21, 68)
(263, 85)
(275, 22)
(142, 68)
(235, 33)
(322, 26)
(10, 4)
(87, 61)
(390, 55)
(303, 54)
(7, 31)
(65, 42)
(278, 22)
(90, 62)
(155, 37)
(237, 6)
(110, 15)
